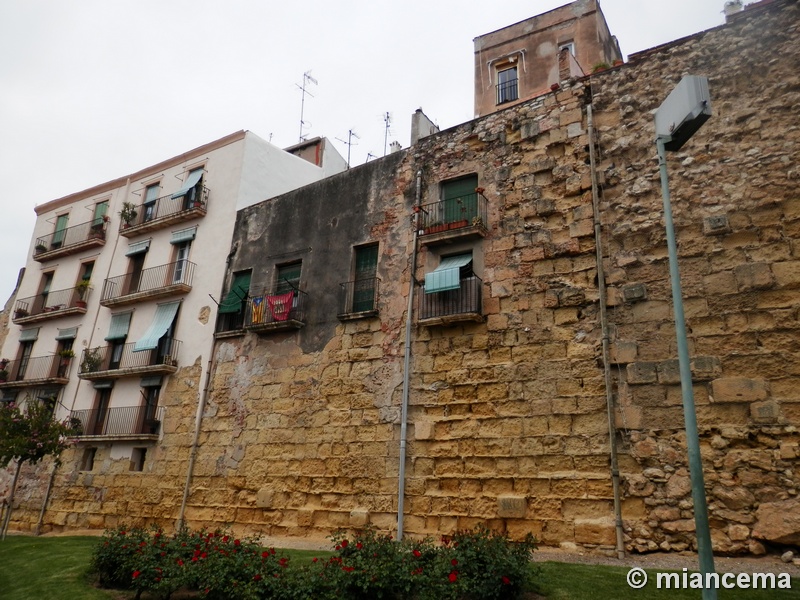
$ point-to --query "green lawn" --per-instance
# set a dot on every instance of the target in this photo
(54, 568)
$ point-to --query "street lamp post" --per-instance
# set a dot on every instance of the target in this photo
(686, 108)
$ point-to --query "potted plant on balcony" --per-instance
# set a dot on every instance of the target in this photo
(3, 375)
(91, 360)
(82, 288)
(127, 213)
(66, 354)
(40, 248)
(20, 313)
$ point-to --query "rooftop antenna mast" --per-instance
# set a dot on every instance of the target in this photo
(387, 119)
(306, 79)
(350, 135)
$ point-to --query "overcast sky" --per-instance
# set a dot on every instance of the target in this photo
(91, 90)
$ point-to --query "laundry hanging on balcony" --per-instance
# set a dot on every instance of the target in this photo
(281, 305)
(257, 309)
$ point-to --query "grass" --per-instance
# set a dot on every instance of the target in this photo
(55, 568)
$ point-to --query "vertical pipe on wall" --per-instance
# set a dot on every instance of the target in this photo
(601, 286)
(401, 476)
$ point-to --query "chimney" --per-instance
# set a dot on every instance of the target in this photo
(731, 8)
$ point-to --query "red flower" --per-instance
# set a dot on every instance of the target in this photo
(256, 577)
(225, 538)
(122, 533)
(194, 559)
(359, 545)
(236, 543)
(136, 574)
(348, 569)
(417, 553)
(344, 543)
(453, 576)
(506, 580)
(454, 562)
(180, 562)
(315, 559)
(283, 562)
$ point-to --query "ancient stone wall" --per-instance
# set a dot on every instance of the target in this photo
(737, 219)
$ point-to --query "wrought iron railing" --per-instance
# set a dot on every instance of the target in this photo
(71, 236)
(179, 272)
(470, 210)
(276, 308)
(165, 207)
(122, 420)
(124, 356)
(465, 300)
(508, 91)
(230, 321)
(359, 296)
(34, 368)
(47, 302)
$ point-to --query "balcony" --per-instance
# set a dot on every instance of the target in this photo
(118, 423)
(230, 324)
(276, 312)
(70, 240)
(35, 371)
(49, 305)
(113, 362)
(452, 306)
(463, 217)
(163, 212)
(359, 299)
(173, 279)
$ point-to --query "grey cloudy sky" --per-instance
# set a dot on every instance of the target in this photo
(91, 90)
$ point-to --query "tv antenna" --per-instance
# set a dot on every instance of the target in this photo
(307, 78)
(350, 135)
(369, 156)
(387, 119)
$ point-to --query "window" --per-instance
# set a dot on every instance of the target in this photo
(137, 459)
(24, 357)
(44, 291)
(460, 200)
(507, 87)
(366, 260)
(100, 211)
(192, 189)
(101, 404)
(288, 278)
(182, 244)
(64, 349)
(117, 334)
(568, 45)
(60, 231)
(87, 460)
(86, 270)
(232, 308)
(136, 254)
(452, 290)
(149, 205)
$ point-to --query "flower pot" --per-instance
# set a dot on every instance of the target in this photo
(458, 224)
(80, 303)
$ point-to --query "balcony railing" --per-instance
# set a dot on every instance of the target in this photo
(276, 311)
(70, 240)
(230, 322)
(455, 217)
(49, 305)
(463, 304)
(508, 91)
(108, 362)
(156, 282)
(165, 211)
(119, 421)
(359, 298)
(38, 370)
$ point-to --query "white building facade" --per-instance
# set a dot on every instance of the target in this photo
(121, 288)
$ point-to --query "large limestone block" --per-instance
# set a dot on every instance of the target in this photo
(778, 522)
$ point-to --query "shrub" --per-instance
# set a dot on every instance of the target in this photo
(472, 565)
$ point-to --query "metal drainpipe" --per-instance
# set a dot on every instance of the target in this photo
(401, 476)
(601, 286)
(198, 421)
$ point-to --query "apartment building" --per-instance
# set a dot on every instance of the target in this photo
(120, 288)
